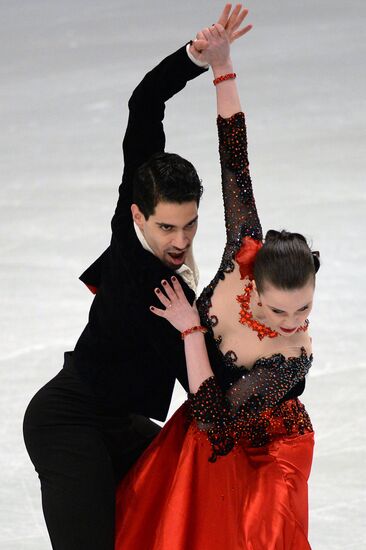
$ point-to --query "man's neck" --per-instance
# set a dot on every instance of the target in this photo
(190, 263)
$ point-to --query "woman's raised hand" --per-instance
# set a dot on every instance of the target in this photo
(220, 35)
(178, 311)
(232, 21)
(217, 45)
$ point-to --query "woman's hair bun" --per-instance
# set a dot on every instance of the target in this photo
(316, 259)
(285, 260)
(272, 235)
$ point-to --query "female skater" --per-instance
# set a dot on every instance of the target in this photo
(230, 469)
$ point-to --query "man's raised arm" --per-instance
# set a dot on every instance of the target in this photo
(145, 133)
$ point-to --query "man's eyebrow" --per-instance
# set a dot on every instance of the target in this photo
(161, 224)
(194, 220)
(172, 225)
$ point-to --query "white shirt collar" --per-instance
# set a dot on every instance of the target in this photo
(189, 271)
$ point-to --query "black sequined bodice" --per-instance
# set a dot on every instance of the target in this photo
(256, 401)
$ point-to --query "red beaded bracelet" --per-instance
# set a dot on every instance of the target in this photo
(227, 76)
(198, 328)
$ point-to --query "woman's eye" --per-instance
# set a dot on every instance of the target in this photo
(304, 308)
(277, 311)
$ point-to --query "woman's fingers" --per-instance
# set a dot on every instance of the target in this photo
(162, 297)
(157, 311)
(233, 17)
(237, 21)
(178, 289)
(223, 19)
(241, 32)
(170, 292)
(174, 293)
(221, 32)
(178, 310)
(220, 28)
(210, 33)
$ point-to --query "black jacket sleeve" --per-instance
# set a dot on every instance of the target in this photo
(144, 136)
(145, 133)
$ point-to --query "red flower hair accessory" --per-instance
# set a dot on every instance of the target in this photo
(246, 255)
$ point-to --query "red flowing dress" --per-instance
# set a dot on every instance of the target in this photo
(230, 468)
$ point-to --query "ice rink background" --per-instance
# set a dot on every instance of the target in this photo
(67, 70)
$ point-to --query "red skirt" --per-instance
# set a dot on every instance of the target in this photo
(252, 499)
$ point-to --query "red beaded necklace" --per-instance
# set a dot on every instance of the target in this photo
(246, 316)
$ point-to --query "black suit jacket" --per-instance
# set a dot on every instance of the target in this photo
(130, 357)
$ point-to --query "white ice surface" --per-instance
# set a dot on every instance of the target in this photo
(67, 69)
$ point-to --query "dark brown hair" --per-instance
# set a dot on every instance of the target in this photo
(165, 177)
(285, 261)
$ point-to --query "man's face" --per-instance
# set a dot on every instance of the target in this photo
(169, 231)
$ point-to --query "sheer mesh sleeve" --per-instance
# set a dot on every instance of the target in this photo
(241, 217)
(227, 417)
(243, 228)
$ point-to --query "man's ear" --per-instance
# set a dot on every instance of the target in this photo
(137, 215)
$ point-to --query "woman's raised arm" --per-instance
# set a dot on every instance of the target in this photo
(214, 43)
(241, 218)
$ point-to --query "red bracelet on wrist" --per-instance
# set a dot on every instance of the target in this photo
(224, 77)
(198, 328)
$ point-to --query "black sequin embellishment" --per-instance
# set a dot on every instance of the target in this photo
(252, 409)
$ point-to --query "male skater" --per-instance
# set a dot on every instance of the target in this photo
(85, 427)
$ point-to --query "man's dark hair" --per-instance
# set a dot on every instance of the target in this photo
(285, 261)
(165, 177)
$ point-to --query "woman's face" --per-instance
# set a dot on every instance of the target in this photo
(287, 310)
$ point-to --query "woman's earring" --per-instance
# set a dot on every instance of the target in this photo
(259, 303)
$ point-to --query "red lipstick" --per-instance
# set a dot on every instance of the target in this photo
(288, 330)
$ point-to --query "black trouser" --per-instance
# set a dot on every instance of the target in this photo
(80, 453)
